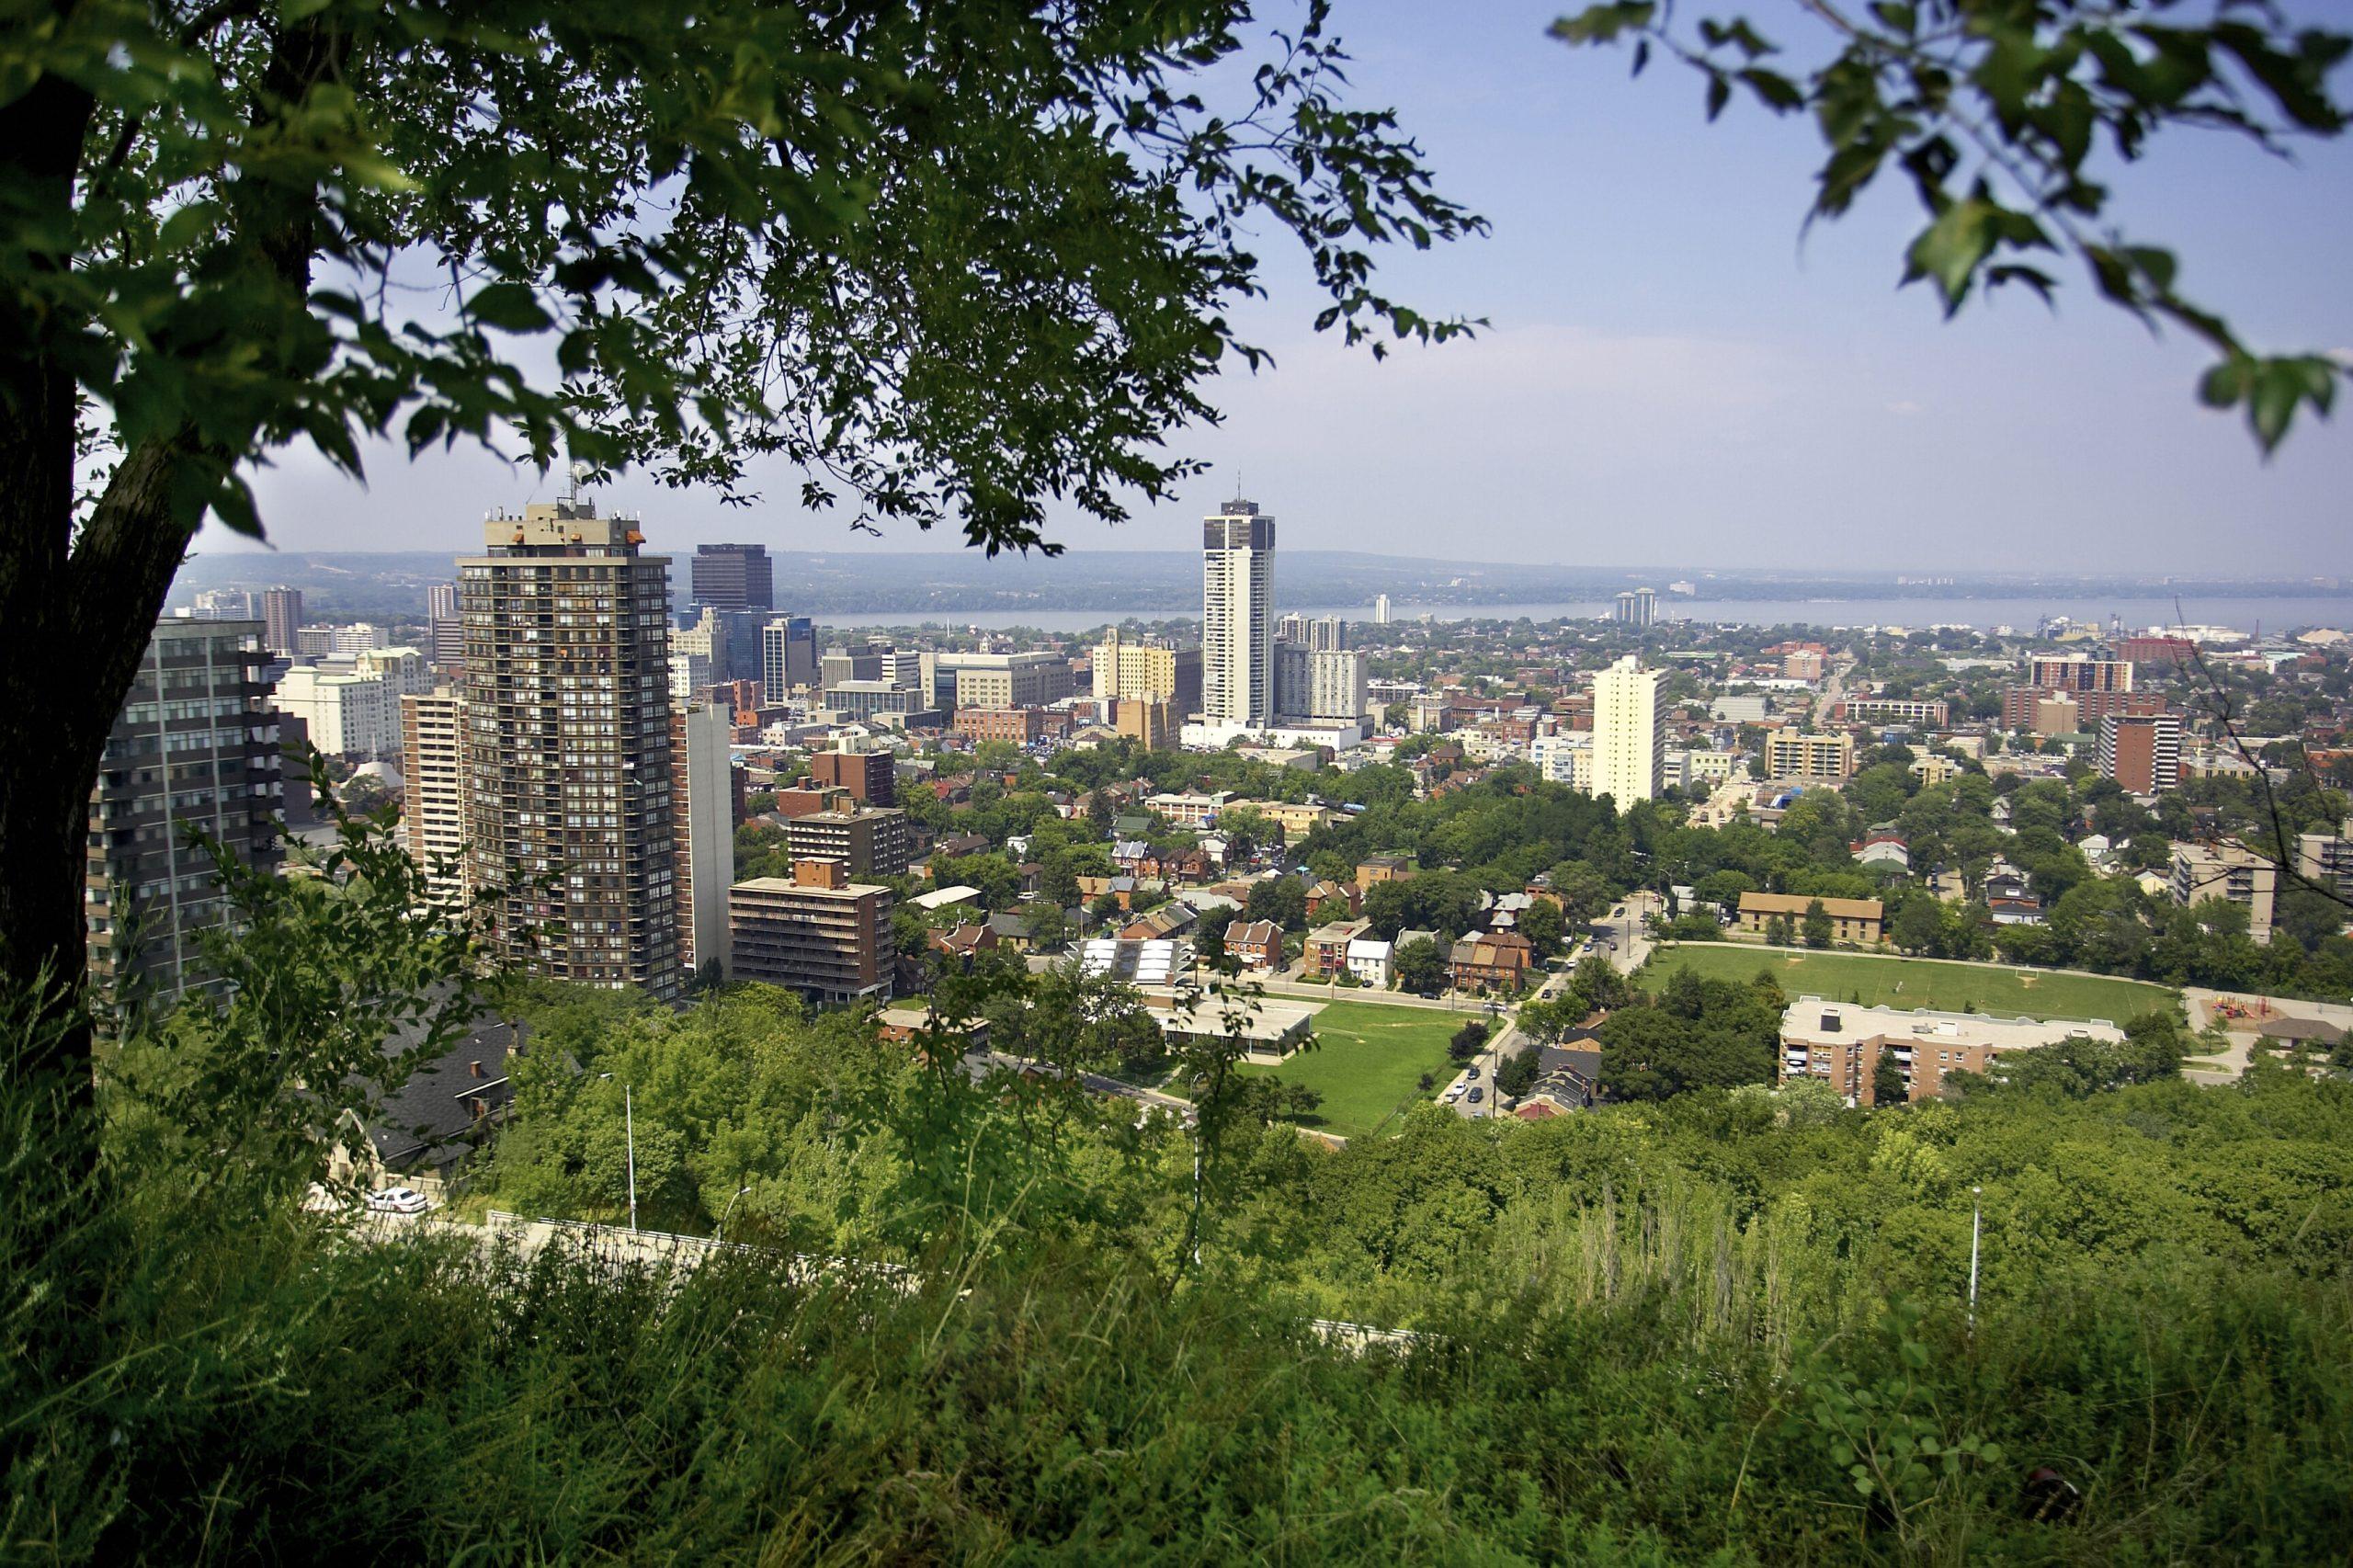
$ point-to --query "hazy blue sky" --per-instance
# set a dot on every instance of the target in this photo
(1670, 377)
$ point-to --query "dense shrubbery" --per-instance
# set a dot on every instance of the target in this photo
(1652, 1333)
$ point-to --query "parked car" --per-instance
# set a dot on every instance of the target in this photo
(1477, 1093)
(1454, 1094)
(398, 1200)
(1471, 1070)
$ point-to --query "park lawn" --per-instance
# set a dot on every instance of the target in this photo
(1367, 1063)
(1919, 982)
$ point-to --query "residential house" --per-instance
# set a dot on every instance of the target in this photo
(1255, 944)
(1491, 961)
(971, 937)
(1327, 953)
(2011, 901)
(442, 1111)
(1333, 901)
(1858, 920)
(1155, 925)
(1369, 961)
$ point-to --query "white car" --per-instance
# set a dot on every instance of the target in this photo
(398, 1200)
(1454, 1094)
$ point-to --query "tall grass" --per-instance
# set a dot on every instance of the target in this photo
(1635, 1373)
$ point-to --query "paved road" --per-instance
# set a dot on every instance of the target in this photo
(1505, 1042)
(1628, 936)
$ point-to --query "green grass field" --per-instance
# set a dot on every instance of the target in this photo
(1919, 982)
(1369, 1063)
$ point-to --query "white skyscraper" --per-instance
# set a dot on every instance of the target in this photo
(433, 766)
(1381, 611)
(1238, 617)
(701, 797)
(1627, 757)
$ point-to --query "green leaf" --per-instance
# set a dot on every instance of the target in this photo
(1778, 91)
(1602, 24)
(1949, 250)
(2271, 407)
(509, 307)
(187, 225)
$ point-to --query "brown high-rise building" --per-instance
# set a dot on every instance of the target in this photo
(865, 843)
(195, 746)
(2019, 703)
(2141, 753)
(818, 933)
(733, 576)
(282, 617)
(1151, 721)
(568, 767)
(2076, 671)
(871, 777)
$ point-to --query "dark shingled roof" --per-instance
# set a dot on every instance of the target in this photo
(2300, 1029)
(429, 1123)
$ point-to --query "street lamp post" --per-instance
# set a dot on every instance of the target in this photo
(1976, 1211)
(721, 1232)
(628, 1131)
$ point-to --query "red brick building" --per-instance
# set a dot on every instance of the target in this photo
(1022, 726)
(872, 778)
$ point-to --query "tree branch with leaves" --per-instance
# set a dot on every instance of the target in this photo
(2001, 115)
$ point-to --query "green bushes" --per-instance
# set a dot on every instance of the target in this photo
(1657, 1332)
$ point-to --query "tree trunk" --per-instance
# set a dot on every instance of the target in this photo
(55, 714)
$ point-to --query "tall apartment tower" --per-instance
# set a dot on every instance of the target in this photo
(433, 766)
(445, 639)
(1381, 611)
(1627, 759)
(2142, 751)
(2078, 672)
(1238, 616)
(734, 576)
(568, 775)
(701, 794)
(1321, 635)
(196, 745)
(787, 655)
(281, 616)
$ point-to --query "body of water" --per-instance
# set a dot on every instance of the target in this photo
(2024, 614)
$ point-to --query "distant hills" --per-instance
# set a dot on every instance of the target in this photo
(391, 585)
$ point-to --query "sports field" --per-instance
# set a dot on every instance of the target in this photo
(1367, 1063)
(1918, 983)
